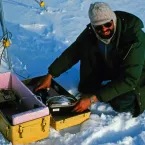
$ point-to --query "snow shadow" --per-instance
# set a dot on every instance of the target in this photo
(116, 131)
(21, 4)
(72, 130)
(113, 136)
(31, 52)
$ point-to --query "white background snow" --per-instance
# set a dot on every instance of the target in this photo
(39, 36)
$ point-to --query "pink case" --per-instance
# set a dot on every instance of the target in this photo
(9, 80)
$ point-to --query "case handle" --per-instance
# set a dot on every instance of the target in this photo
(20, 131)
(43, 124)
(7, 131)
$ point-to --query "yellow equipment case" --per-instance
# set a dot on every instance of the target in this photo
(62, 122)
(59, 122)
(23, 118)
(26, 132)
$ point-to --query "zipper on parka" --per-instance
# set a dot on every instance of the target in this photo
(105, 51)
(127, 52)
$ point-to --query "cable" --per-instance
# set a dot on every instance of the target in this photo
(21, 75)
(5, 39)
(18, 73)
(1, 55)
(61, 96)
(8, 34)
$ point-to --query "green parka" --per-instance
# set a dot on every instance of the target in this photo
(126, 66)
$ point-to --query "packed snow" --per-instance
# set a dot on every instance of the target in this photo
(39, 36)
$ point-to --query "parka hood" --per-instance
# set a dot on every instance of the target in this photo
(126, 28)
(128, 25)
(130, 21)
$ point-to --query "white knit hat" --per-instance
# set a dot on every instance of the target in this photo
(100, 13)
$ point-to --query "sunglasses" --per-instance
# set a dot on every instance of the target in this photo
(106, 25)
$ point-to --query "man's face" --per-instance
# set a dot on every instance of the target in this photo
(106, 30)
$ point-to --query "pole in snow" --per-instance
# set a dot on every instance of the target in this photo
(6, 42)
(41, 4)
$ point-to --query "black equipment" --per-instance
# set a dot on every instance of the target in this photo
(57, 104)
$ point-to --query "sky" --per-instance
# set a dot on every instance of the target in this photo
(39, 36)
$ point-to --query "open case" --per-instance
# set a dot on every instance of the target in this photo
(23, 118)
(61, 116)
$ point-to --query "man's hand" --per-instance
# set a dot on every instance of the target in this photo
(84, 103)
(45, 82)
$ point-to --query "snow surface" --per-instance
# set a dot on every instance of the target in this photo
(38, 37)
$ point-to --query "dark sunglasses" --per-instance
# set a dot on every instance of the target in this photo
(107, 25)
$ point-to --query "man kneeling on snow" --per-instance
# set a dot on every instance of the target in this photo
(112, 47)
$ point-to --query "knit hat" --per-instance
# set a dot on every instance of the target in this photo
(100, 13)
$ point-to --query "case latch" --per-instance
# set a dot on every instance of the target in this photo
(7, 130)
(20, 131)
(43, 124)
